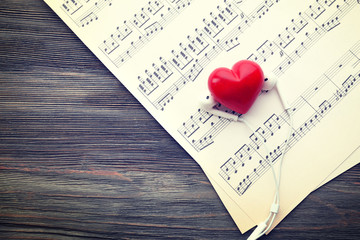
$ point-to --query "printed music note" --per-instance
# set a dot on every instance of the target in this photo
(273, 124)
(298, 23)
(203, 116)
(285, 38)
(208, 138)
(230, 44)
(140, 18)
(90, 14)
(147, 85)
(263, 134)
(153, 29)
(181, 4)
(308, 125)
(228, 168)
(284, 65)
(328, 2)
(204, 142)
(190, 127)
(261, 168)
(198, 43)
(338, 95)
(71, 6)
(196, 121)
(227, 15)
(331, 24)
(274, 155)
(167, 96)
(136, 45)
(315, 10)
(165, 100)
(261, 11)
(213, 28)
(155, 7)
(244, 185)
(109, 45)
(253, 58)
(266, 50)
(88, 19)
(257, 142)
(324, 107)
(181, 59)
(194, 71)
(348, 83)
(123, 31)
(243, 154)
(163, 72)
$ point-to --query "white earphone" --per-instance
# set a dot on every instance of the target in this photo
(270, 82)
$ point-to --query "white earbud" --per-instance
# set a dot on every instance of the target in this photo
(208, 104)
(269, 83)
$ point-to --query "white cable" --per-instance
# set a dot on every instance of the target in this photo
(208, 104)
(248, 125)
(260, 230)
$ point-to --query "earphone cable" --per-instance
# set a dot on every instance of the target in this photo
(276, 201)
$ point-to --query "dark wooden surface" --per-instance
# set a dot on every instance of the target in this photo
(80, 158)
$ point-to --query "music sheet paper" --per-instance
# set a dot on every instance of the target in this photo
(164, 50)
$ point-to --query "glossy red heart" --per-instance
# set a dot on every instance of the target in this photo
(237, 88)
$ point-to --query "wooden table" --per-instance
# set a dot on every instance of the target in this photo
(80, 158)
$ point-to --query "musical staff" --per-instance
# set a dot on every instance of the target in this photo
(213, 27)
(315, 10)
(197, 44)
(208, 138)
(298, 24)
(227, 14)
(231, 40)
(266, 50)
(84, 13)
(228, 168)
(274, 123)
(140, 18)
(207, 127)
(299, 36)
(244, 185)
(181, 61)
(154, 7)
(322, 96)
(71, 6)
(198, 49)
(303, 32)
(134, 33)
(285, 38)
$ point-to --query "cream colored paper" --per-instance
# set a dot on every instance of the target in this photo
(163, 52)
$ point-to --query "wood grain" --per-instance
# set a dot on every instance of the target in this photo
(80, 158)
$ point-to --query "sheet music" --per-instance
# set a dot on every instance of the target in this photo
(163, 51)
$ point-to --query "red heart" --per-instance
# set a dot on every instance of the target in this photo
(237, 88)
